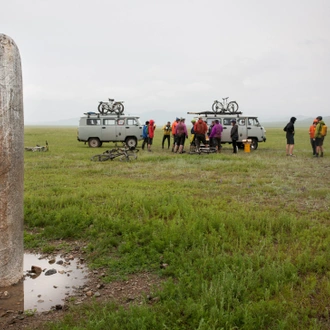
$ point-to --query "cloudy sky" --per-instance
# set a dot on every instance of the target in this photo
(174, 56)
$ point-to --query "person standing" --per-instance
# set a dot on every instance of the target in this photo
(181, 135)
(200, 129)
(167, 134)
(209, 130)
(234, 135)
(289, 129)
(145, 134)
(319, 138)
(312, 135)
(192, 135)
(173, 131)
(151, 133)
(215, 135)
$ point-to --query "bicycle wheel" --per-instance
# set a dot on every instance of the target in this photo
(128, 156)
(118, 108)
(232, 106)
(102, 108)
(217, 106)
(100, 158)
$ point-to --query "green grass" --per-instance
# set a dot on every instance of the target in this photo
(246, 236)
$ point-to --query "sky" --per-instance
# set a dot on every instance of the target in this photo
(171, 56)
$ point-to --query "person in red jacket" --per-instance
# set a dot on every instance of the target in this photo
(200, 129)
(151, 133)
(312, 135)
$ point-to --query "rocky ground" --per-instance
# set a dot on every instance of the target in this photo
(132, 291)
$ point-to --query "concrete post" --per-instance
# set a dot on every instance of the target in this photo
(11, 163)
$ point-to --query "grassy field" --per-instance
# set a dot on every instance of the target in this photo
(246, 237)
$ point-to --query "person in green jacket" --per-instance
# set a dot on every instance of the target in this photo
(318, 137)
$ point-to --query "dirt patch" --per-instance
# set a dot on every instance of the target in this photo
(134, 290)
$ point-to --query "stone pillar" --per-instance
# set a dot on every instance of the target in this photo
(11, 163)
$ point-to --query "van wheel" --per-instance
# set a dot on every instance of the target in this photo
(254, 144)
(131, 142)
(94, 143)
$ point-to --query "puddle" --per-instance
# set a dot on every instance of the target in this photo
(41, 292)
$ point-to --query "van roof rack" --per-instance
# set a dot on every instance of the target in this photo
(215, 113)
(98, 114)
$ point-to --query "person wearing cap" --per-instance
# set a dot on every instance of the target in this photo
(234, 135)
(181, 135)
(289, 129)
(318, 137)
(200, 129)
(312, 135)
(175, 122)
(167, 129)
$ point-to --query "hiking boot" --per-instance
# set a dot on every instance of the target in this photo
(321, 154)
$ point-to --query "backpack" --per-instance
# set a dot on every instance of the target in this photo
(284, 129)
(324, 130)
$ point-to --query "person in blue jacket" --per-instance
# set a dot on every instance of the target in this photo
(145, 134)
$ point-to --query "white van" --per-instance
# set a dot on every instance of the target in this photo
(248, 127)
(95, 128)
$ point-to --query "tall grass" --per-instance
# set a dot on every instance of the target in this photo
(246, 236)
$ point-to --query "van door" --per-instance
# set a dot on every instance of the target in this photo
(242, 129)
(254, 128)
(108, 129)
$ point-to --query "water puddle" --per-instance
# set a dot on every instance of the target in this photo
(47, 282)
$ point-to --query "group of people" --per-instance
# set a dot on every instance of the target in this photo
(317, 133)
(200, 133)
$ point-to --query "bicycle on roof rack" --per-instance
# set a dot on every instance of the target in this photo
(111, 107)
(225, 106)
(124, 153)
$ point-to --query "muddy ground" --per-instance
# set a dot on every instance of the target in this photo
(134, 290)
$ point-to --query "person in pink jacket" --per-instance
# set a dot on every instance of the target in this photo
(181, 135)
(151, 133)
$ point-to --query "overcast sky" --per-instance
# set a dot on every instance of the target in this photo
(272, 57)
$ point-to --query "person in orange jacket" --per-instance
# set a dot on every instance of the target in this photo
(312, 136)
(200, 129)
(174, 124)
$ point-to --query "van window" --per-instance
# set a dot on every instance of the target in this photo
(131, 122)
(109, 122)
(241, 122)
(253, 122)
(121, 122)
(227, 121)
(93, 121)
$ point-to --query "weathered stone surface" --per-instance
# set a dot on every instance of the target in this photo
(11, 163)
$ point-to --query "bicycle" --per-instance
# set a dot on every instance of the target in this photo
(111, 106)
(124, 153)
(224, 107)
